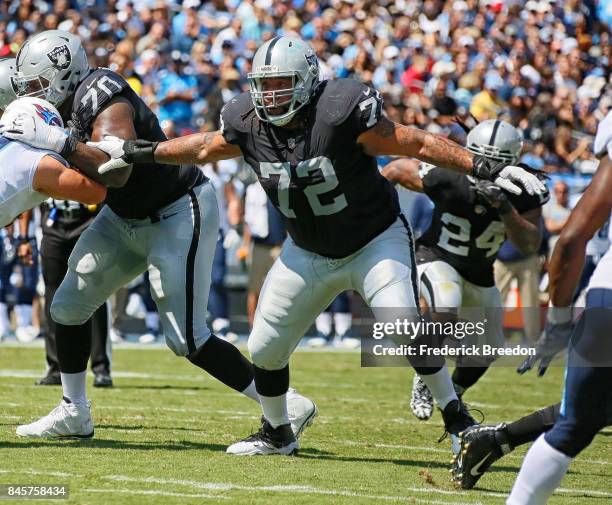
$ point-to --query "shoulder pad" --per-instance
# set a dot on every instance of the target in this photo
(237, 112)
(340, 97)
(92, 94)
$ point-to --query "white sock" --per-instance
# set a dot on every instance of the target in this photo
(251, 392)
(152, 321)
(5, 324)
(23, 315)
(275, 409)
(441, 387)
(73, 385)
(343, 322)
(541, 472)
(323, 323)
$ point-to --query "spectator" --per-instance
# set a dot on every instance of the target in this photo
(556, 213)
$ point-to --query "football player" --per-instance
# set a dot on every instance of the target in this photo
(29, 176)
(312, 145)
(156, 218)
(586, 396)
(455, 255)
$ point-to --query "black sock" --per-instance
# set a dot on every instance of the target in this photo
(73, 346)
(224, 362)
(271, 382)
(530, 427)
(467, 376)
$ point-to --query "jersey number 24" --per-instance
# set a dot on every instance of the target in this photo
(455, 236)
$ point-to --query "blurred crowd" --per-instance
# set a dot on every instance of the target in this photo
(542, 65)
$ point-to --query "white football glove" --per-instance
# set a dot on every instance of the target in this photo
(32, 130)
(512, 179)
(232, 239)
(113, 146)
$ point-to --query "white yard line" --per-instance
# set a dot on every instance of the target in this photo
(223, 486)
(151, 492)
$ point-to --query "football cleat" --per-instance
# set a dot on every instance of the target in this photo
(480, 447)
(456, 420)
(422, 402)
(52, 379)
(102, 380)
(67, 420)
(301, 410)
(266, 441)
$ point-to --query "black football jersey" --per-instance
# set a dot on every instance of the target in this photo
(151, 186)
(329, 192)
(465, 233)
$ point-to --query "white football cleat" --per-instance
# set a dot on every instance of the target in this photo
(422, 402)
(26, 334)
(147, 338)
(301, 410)
(267, 441)
(67, 420)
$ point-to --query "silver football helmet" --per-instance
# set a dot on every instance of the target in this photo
(50, 65)
(496, 140)
(7, 72)
(283, 57)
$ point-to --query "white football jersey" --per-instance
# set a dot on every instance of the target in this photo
(602, 277)
(18, 164)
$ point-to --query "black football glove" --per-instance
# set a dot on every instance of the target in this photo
(554, 339)
(491, 195)
(139, 151)
(513, 179)
(124, 153)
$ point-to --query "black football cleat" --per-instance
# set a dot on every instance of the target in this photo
(52, 379)
(102, 380)
(480, 447)
(456, 420)
(267, 440)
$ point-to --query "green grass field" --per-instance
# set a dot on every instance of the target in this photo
(161, 435)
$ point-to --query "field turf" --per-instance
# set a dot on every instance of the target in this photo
(161, 435)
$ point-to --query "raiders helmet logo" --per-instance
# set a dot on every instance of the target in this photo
(311, 58)
(60, 57)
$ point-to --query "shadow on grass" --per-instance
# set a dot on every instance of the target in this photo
(161, 387)
(316, 454)
(94, 443)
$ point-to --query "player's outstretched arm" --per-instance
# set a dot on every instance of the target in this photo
(34, 131)
(389, 138)
(54, 179)
(591, 212)
(404, 171)
(199, 148)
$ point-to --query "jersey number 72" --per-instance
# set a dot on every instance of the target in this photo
(312, 193)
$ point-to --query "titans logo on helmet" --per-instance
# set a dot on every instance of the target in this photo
(47, 116)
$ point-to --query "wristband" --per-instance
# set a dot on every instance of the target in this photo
(69, 146)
